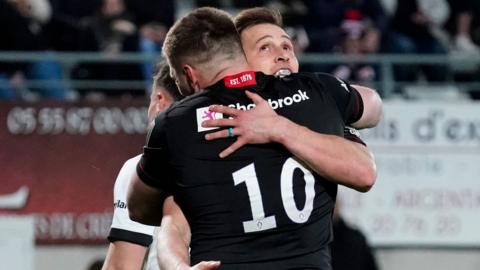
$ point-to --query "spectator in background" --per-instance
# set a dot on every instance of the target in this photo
(147, 11)
(114, 32)
(350, 248)
(459, 26)
(66, 30)
(75, 9)
(17, 36)
(151, 37)
(354, 30)
(475, 26)
(37, 12)
(323, 23)
(293, 14)
(153, 18)
(415, 30)
(475, 33)
(24, 21)
(112, 25)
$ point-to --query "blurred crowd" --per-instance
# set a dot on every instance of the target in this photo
(350, 27)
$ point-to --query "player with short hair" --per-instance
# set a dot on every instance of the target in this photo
(173, 247)
(201, 181)
(131, 244)
(263, 39)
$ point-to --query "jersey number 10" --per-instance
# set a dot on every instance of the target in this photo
(260, 222)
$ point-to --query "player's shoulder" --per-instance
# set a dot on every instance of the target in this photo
(317, 80)
(132, 162)
(321, 78)
(186, 105)
(328, 83)
(124, 176)
(129, 166)
(178, 115)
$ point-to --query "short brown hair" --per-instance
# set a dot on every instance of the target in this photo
(257, 15)
(163, 80)
(201, 36)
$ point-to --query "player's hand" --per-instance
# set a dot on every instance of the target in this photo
(255, 126)
(206, 265)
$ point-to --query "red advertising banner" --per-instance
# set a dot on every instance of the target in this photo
(59, 161)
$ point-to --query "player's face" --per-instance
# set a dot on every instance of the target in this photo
(269, 49)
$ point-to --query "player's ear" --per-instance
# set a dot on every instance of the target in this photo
(192, 78)
(164, 100)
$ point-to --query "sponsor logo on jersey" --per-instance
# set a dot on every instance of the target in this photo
(204, 114)
(278, 103)
(120, 204)
(352, 131)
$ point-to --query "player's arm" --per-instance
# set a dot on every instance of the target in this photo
(331, 156)
(361, 106)
(152, 180)
(122, 255)
(342, 161)
(174, 241)
(145, 202)
(129, 240)
(372, 108)
(174, 235)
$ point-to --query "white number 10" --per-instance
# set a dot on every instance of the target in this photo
(260, 222)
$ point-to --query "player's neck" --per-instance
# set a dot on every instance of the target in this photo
(220, 66)
(231, 69)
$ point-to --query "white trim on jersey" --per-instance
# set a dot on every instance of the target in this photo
(152, 261)
(121, 220)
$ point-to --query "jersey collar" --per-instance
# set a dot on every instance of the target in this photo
(241, 81)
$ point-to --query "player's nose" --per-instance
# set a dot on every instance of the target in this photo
(282, 58)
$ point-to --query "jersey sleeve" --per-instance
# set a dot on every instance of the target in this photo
(347, 98)
(353, 135)
(153, 168)
(123, 228)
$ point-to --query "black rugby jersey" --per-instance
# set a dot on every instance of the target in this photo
(259, 204)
